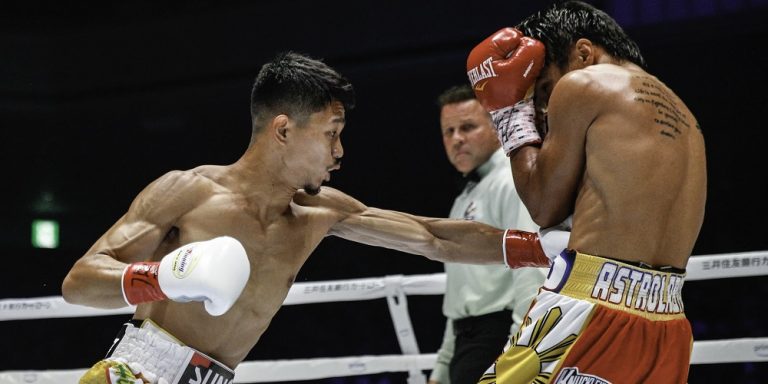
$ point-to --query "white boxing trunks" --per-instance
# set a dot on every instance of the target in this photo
(160, 357)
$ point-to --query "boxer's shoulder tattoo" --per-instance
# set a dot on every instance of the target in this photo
(670, 119)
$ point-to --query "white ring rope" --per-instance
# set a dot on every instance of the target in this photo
(699, 268)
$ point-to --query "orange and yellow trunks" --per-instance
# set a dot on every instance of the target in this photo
(598, 320)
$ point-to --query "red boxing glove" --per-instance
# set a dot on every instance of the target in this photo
(523, 249)
(503, 69)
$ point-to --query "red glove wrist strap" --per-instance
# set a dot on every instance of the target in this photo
(522, 249)
(140, 283)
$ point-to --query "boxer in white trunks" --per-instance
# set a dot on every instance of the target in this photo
(208, 254)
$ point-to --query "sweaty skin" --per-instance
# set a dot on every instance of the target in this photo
(623, 153)
(259, 201)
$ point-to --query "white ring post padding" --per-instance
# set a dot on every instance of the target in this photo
(397, 302)
(398, 310)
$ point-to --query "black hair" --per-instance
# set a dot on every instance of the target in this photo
(455, 94)
(297, 86)
(560, 25)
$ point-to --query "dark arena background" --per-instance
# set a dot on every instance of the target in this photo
(97, 100)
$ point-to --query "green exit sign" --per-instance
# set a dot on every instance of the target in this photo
(45, 234)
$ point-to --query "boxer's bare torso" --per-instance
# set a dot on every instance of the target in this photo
(200, 204)
(278, 224)
(250, 200)
(636, 172)
(643, 194)
(188, 206)
(277, 245)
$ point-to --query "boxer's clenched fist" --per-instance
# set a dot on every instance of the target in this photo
(503, 69)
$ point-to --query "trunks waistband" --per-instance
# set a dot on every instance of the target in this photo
(651, 293)
(160, 353)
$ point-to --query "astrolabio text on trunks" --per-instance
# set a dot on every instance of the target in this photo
(639, 289)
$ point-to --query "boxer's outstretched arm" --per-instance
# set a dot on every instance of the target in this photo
(95, 279)
(446, 240)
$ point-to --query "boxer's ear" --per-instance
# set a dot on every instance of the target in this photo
(279, 128)
(585, 53)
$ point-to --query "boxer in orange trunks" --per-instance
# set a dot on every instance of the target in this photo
(596, 314)
(590, 133)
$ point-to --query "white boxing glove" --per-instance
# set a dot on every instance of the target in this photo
(213, 271)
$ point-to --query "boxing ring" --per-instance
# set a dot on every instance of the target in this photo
(395, 289)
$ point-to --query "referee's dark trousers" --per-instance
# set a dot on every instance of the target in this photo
(479, 341)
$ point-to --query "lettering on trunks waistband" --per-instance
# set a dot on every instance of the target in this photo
(650, 293)
(641, 289)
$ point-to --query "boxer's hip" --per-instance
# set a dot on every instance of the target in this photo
(158, 352)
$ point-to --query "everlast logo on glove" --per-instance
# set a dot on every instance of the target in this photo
(480, 72)
(502, 70)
